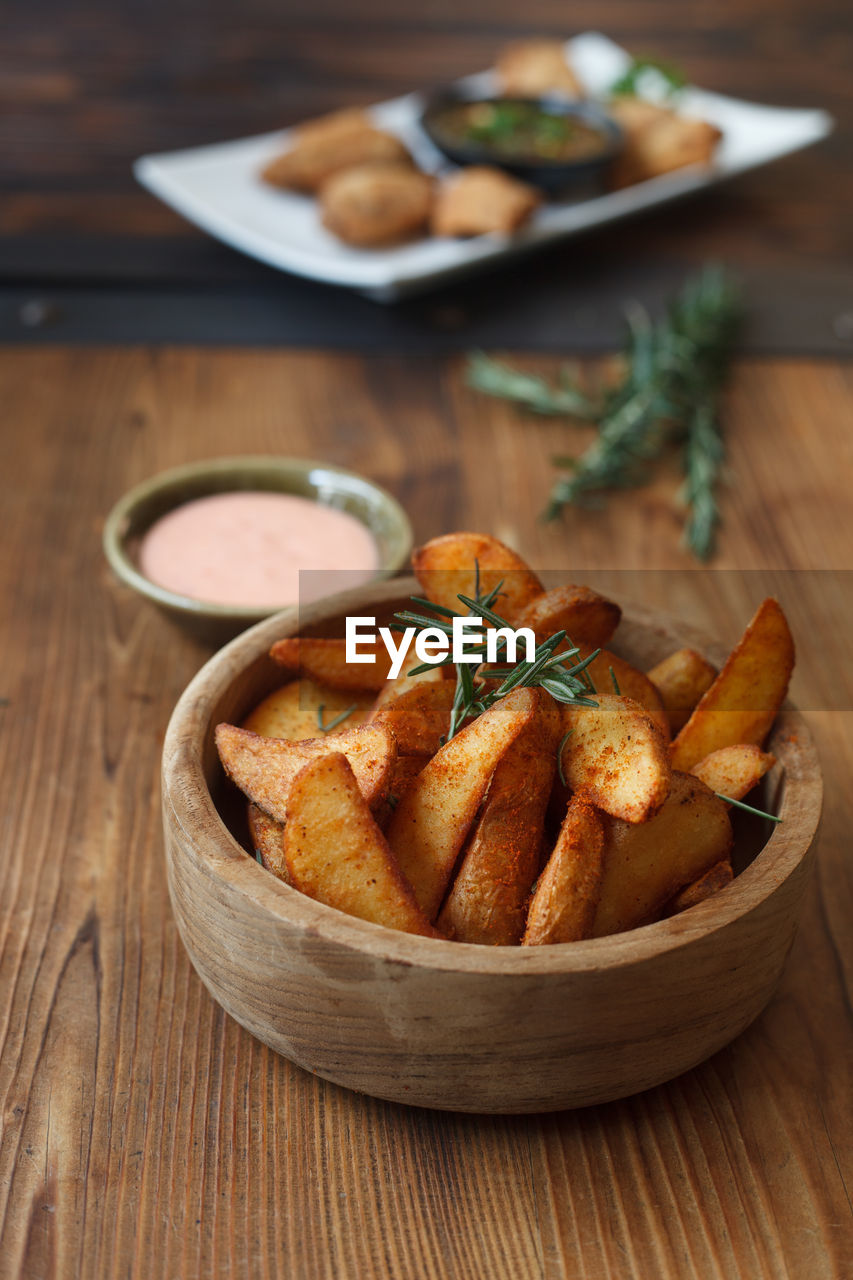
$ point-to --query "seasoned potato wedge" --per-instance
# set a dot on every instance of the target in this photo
(741, 704)
(734, 771)
(429, 825)
(488, 900)
(404, 682)
(681, 680)
(588, 618)
(264, 768)
(617, 756)
(336, 853)
(445, 567)
(420, 718)
(714, 879)
(268, 841)
(632, 684)
(292, 711)
(564, 905)
(325, 661)
(647, 864)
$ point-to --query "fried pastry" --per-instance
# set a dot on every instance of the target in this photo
(480, 199)
(658, 140)
(324, 147)
(374, 205)
(531, 68)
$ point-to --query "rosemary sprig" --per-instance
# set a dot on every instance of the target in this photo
(669, 394)
(553, 668)
(748, 808)
(333, 724)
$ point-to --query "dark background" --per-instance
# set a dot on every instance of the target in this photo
(87, 87)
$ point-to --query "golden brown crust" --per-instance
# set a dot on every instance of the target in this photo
(322, 150)
(373, 205)
(481, 200)
(530, 68)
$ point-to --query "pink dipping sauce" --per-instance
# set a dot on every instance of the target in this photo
(247, 548)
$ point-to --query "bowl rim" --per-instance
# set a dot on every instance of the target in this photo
(186, 793)
(474, 153)
(115, 530)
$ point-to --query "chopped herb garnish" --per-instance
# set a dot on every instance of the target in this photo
(665, 74)
(616, 688)
(563, 742)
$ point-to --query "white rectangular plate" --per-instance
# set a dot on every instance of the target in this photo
(218, 187)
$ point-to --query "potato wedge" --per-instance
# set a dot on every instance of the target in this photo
(336, 853)
(446, 567)
(617, 756)
(714, 879)
(325, 661)
(404, 682)
(429, 825)
(647, 864)
(681, 679)
(565, 902)
(588, 618)
(403, 773)
(268, 841)
(488, 900)
(264, 768)
(632, 684)
(734, 771)
(292, 711)
(741, 704)
(420, 718)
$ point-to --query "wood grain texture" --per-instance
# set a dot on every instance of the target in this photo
(143, 1131)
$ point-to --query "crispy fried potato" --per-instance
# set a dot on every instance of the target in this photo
(324, 148)
(646, 864)
(264, 768)
(336, 853)
(404, 682)
(617, 757)
(488, 901)
(734, 771)
(531, 68)
(715, 879)
(632, 684)
(445, 567)
(403, 773)
(566, 898)
(429, 825)
(681, 679)
(741, 704)
(480, 200)
(268, 841)
(588, 618)
(292, 711)
(420, 718)
(371, 205)
(325, 661)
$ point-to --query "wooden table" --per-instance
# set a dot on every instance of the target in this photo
(144, 1133)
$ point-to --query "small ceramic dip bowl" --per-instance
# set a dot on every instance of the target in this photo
(551, 142)
(139, 509)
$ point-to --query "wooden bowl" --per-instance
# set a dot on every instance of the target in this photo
(459, 1027)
